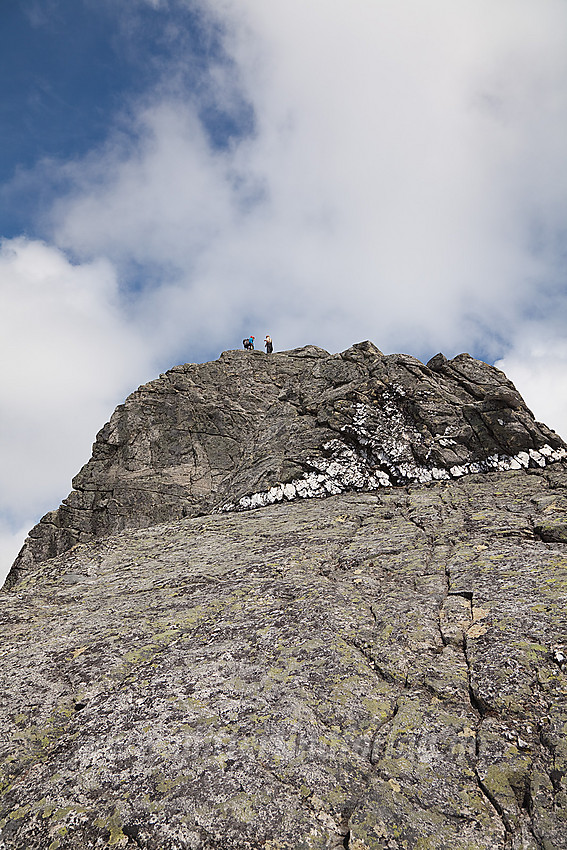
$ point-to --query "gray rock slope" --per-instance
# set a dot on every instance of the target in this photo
(380, 669)
(248, 430)
(370, 670)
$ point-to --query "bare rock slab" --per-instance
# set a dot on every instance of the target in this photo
(369, 671)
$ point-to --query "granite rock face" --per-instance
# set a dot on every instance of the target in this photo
(250, 429)
(367, 671)
(380, 669)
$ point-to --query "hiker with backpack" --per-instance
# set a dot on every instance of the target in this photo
(268, 344)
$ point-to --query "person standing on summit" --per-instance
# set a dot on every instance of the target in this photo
(268, 344)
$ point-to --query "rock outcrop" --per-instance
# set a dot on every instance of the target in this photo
(368, 671)
(381, 669)
(248, 430)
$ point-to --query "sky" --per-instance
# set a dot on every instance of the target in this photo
(177, 174)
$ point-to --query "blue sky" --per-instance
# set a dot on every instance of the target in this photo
(72, 69)
(175, 174)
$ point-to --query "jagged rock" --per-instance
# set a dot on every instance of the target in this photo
(372, 670)
(248, 430)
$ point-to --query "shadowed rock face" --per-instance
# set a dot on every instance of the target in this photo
(372, 671)
(381, 669)
(249, 430)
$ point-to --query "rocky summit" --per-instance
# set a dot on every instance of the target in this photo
(250, 430)
(296, 601)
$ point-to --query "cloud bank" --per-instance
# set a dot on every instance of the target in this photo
(67, 354)
(391, 171)
(403, 180)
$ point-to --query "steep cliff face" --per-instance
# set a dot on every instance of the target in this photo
(381, 668)
(248, 430)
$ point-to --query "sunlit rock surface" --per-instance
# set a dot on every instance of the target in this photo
(381, 668)
(250, 429)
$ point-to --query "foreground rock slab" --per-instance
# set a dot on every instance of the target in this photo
(370, 670)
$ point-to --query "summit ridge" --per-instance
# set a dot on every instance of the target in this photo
(249, 429)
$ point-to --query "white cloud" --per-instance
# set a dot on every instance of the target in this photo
(11, 540)
(404, 182)
(538, 366)
(69, 356)
(405, 175)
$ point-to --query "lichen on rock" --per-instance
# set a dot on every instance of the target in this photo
(385, 667)
(382, 669)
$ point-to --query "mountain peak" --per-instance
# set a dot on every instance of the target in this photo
(251, 429)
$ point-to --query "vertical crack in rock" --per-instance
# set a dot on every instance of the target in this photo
(372, 755)
(340, 840)
(364, 649)
(509, 830)
(478, 704)
(555, 776)
(460, 640)
(440, 611)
